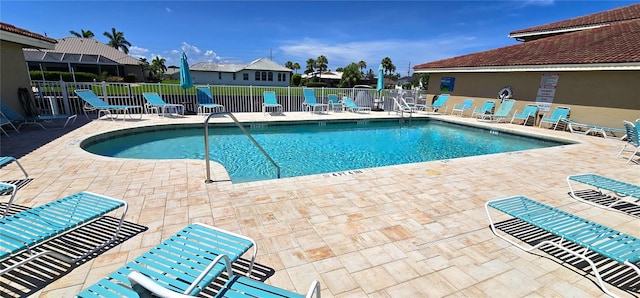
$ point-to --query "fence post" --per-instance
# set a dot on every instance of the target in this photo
(65, 97)
(104, 91)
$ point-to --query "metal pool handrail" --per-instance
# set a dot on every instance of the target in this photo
(235, 120)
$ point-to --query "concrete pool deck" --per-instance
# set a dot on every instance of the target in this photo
(415, 230)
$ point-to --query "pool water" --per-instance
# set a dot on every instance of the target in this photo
(314, 148)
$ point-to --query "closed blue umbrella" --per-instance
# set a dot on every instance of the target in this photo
(185, 74)
(380, 78)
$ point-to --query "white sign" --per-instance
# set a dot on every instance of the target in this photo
(546, 91)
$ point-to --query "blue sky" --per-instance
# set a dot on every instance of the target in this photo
(408, 32)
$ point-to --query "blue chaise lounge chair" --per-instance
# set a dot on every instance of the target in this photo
(530, 111)
(463, 107)
(633, 139)
(93, 102)
(439, 104)
(585, 129)
(310, 103)
(154, 101)
(4, 120)
(486, 108)
(22, 231)
(185, 263)
(556, 116)
(571, 230)
(351, 106)
(621, 192)
(501, 114)
(334, 103)
(270, 101)
(206, 102)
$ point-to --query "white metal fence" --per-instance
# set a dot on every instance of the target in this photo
(58, 96)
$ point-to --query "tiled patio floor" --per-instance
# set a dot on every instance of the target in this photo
(416, 230)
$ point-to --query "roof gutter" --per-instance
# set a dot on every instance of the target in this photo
(26, 41)
(525, 68)
(556, 31)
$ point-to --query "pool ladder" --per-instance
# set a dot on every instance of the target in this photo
(206, 144)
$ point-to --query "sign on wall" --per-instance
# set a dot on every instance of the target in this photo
(446, 84)
(546, 91)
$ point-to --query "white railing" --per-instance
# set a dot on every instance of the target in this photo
(236, 99)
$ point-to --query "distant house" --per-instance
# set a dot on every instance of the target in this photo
(590, 64)
(13, 73)
(75, 54)
(260, 72)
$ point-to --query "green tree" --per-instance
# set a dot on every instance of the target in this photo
(350, 76)
(83, 34)
(144, 65)
(296, 66)
(117, 40)
(158, 68)
(387, 65)
(288, 65)
(296, 79)
(322, 64)
(311, 64)
(362, 65)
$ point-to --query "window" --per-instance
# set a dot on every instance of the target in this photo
(264, 75)
(257, 76)
(219, 75)
(270, 74)
(234, 76)
(245, 76)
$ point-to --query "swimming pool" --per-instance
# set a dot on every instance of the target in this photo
(311, 147)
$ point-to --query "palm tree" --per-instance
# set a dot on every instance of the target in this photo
(117, 40)
(362, 65)
(296, 66)
(387, 65)
(321, 64)
(144, 64)
(311, 64)
(350, 75)
(288, 65)
(83, 34)
(157, 67)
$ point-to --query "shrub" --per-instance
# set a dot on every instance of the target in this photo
(66, 76)
(296, 79)
(316, 84)
(130, 78)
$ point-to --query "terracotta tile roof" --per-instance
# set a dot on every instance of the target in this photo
(617, 43)
(13, 29)
(606, 17)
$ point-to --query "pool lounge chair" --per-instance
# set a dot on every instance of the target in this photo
(530, 111)
(23, 231)
(206, 102)
(571, 230)
(93, 102)
(8, 188)
(334, 103)
(556, 116)
(633, 139)
(486, 108)
(186, 262)
(4, 120)
(310, 103)
(439, 104)
(351, 106)
(621, 192)
(270, 101)
(501, 114)
(5, 160)
(155, 102)
(236, 287)
(466, 105)
(585, 129)
(32, 119)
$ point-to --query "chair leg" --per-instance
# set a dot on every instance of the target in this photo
(633, 154)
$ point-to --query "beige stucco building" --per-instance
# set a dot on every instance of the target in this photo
(595, 59)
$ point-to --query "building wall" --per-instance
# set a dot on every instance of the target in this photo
(595, 97)
(13, 74)
(226, 78)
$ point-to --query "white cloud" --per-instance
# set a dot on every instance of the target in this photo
(539, 2)
(138, 52)
(403, 53)
(168, 10)
(190, 49)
